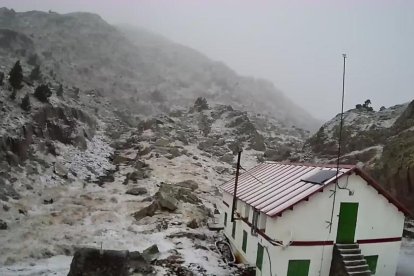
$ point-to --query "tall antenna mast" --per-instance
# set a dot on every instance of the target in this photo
(342, 118)
(341, 124)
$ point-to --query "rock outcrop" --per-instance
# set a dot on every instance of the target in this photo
(381, 141)
(95, 262)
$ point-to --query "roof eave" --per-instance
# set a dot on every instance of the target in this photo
(371, 181)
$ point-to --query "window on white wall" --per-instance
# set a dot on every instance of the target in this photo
(262, 221)
(240, 207)
(255, 220)
(246, 211)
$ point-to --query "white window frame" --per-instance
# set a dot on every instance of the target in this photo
(246, 211)
(261, 225)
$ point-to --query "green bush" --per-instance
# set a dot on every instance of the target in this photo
(16, 76)
(42, 93)
(25, 105)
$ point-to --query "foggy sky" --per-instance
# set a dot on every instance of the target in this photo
(298, 45)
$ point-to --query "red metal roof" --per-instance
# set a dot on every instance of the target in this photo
(272, 187)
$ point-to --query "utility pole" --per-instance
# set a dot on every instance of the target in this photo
(233, 208)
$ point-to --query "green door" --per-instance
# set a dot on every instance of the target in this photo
(298, 268)
(259, 257)
(244, 244)
(347, 222)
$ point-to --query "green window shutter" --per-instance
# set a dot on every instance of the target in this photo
(372, 263)
(225, 219)
(233, 231)
(244, 245)
(259, 258)
(298, 268)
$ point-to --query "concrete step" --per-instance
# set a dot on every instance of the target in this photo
(360, 273)
(357, 268)
(355, 262)
(347, 245)
(352, 257)
(344, 251)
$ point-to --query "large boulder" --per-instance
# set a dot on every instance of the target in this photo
(3, 225)
(151, 253)
(175, 152)
(193, 224)
(146, 211)
(162, 142)
(166, 201)
(136, 191)
(94, 262)
(138, 264)
(185, 195)
(206, 144)
(140, 165)
(174, 193)
(60, 170)
(7, 190)
(227, 158)
(137, 175)
(119, 159)
(190, 184)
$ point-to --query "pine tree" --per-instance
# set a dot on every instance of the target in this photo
(16, 76)
(42, 93)
(200, 104)
(35, 74)
(25, 105)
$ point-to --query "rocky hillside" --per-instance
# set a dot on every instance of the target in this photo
(75, 171)
(381, 141)
(139, 71)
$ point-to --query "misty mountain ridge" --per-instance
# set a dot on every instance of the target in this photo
(379, 141)
(142, 72)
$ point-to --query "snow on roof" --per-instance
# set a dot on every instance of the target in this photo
(272, 187)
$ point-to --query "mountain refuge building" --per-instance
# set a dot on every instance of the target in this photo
(301, 219)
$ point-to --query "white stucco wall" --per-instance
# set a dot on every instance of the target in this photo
(377, 219)
(387, 256)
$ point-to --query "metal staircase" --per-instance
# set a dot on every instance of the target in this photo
(352, 259)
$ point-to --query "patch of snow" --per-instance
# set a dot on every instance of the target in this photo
(56, 265)
(89, 163)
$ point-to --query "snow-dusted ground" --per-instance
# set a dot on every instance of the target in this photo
(84, 214)
(56, 265)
